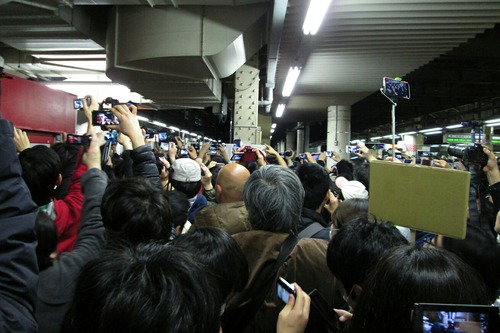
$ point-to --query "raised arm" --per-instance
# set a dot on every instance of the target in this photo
(143, 158)
(18, 265)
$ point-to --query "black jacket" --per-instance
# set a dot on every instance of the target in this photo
(18, 265)
(308, 218)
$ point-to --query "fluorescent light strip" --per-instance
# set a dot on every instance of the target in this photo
(493, 121)
(193, 134)
(432, 133)
(279, 110)
(376, 138)
(431, 130)
(157, 123)
(454, 126)
(408, 133)
(494, 124)
(174, 128)
(291, 79)
(184, 131)
(390, 136)
(315, 15)
(141, 118)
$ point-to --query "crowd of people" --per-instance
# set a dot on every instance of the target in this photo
(149, 241)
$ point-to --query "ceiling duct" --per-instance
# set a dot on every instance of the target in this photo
(178, 55)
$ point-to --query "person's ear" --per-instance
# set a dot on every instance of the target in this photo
(218, 192)
(58, 181)
(357, 290)
(178, 229)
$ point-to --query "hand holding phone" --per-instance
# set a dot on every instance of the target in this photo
(293, 318)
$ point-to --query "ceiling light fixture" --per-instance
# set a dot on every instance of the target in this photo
(376, 138)
(430, 130)
(291, 79)
(493, 121)
(454, 126)
(273, 125)
(184, 131)
(408, 133)
(434, 132)
(493, 124)
(141, 118)
(174, 128)
(279, 110)
(157, 123)
(315, 15)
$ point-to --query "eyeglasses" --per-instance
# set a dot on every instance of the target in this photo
(346, 298)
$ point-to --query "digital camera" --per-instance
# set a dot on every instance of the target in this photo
(471, 154)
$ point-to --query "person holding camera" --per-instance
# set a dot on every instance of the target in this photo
(57, 278)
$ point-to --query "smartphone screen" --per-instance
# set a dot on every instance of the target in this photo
(78, 140)
(329, 153)
(236, 157)
(162, 136)
(352, 149)
(103, 118)
(396, 88)
(455, 318)
(284, 289)
(77, 104)
(321, 307)
(164, 146)
(111, 136)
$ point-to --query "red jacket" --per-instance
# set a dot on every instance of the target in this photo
(68, 212)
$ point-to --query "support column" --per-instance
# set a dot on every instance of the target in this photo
(339, 129)
(265, 125)
(307, 136)
(487, 134)
(246, 103)
(300, 138)
(281, 146)
(413, 143)
(291, 140)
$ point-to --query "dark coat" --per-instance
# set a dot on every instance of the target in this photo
(18, 264)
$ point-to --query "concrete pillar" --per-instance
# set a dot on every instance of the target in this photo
(339, 129)
(265, 125)
(487, 134)
(413, 143)
(300, 138)
(281, 146)
(307, 136)
(246, 106)
(291, 140)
